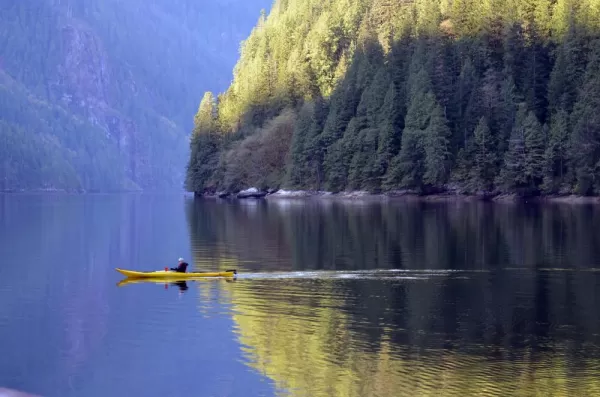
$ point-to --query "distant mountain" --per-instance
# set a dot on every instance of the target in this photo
(100, 95)
(475, 96)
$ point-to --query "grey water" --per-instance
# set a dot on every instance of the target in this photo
(332, 298)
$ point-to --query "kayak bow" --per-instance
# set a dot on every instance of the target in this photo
(175, 275)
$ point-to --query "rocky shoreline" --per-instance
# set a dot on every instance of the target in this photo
(358, 195)
(405, 195)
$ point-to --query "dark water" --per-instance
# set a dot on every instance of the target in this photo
(332, 299)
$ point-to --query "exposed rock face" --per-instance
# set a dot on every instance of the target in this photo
(84, 73)
(84, 86)
(103, 92)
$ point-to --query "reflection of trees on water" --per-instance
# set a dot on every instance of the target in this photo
(337, 235)
(510, 296)
(504, 305)
(414, 337)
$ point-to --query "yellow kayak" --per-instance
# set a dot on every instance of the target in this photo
(169, 275)
(167, 280)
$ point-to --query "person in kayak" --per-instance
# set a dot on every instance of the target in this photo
(181, 267)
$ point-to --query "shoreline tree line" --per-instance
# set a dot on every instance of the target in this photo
(487, 96)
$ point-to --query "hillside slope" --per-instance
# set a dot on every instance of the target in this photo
(100, 95)
(484, 97)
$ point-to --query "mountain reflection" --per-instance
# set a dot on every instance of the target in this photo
(504, 302)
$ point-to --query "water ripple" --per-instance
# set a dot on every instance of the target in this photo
(318, 334)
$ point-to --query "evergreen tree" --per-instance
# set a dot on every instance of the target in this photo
(373, 98)
(339, 156)
(315, 152)
(437, 149)
(567, 73)
(391, 121)
(536, 75)
(203, 162)
(513, 176)
(534, 149)
(514, 53)
(410, 168)
(363, 170)
(586, 128)
(205, 119)
(298, 167)
(467, 83)
(557, 154)
(483, 172)
(506, 114)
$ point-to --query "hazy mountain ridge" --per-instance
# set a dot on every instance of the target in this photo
(128, 75)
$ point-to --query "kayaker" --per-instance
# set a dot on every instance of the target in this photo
(181, 267)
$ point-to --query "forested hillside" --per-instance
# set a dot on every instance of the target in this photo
(479, 96)
(100, 95)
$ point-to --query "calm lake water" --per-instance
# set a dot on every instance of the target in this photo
(332, 298)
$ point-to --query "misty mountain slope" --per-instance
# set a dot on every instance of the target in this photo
(100, 95)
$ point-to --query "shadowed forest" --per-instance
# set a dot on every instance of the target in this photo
(474, 96)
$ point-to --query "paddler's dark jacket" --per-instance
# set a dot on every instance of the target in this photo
(180, 268)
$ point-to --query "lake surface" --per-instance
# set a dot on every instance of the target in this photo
(332, 298)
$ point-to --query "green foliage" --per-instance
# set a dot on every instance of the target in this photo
(557, 154)
(586, 128)
(258, 160)
(534, 146)
(484, 165)
(298, 168)
(497, 96)
(206, 118)
(391, 120)
(512, 175)
(437, 148)
(57, 151)
(203, 162)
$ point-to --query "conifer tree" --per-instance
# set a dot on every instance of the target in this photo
(437, 148)
(391, 122)
(586, 128)
(298, 167)
(513, 176)
(568, 72)
(483, 172)
(557, 154)
(535, 147)
(205, 119)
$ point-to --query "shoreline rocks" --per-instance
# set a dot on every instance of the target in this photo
(251, 193)
(451, 195)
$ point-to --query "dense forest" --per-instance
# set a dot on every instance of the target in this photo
(101, 95)
(475, 96)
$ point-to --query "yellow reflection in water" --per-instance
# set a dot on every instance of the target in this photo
(299, 336)
(216, 292)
